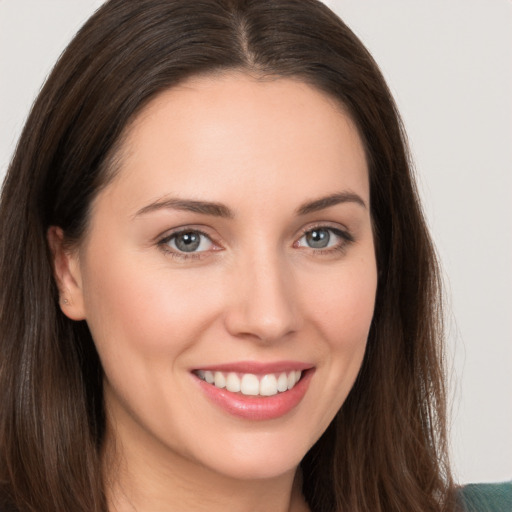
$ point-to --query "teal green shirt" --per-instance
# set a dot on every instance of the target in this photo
(487, 497)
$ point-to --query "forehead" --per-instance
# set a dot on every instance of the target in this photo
(236, 133)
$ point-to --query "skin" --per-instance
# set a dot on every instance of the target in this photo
(256, 291)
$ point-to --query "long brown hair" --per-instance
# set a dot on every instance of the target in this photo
(386, 448)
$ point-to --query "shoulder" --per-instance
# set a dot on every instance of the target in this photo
(487, 497)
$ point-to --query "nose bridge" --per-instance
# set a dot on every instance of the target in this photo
(263, 303)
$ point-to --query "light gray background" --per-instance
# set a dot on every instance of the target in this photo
(449, 65)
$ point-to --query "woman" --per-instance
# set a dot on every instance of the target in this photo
(218, 290)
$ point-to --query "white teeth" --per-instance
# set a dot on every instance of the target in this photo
(219, 380)
(291, 380)
(233, 383)
(268, 385)
(282, 382)
(250, 384)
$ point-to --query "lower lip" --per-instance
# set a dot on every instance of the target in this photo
(258, 407)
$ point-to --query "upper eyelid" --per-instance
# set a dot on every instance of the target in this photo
(168, 234)
(342, 234)
(174, 234)
(326, 225)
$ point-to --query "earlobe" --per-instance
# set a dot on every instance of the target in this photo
(67, 274)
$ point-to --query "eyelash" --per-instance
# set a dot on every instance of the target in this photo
(345, 237)
(163, 245)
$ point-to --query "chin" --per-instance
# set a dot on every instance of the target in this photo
(261, 457)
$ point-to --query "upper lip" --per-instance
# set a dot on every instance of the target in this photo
(257, 367)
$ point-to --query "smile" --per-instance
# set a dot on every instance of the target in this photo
(254, 391)
(250, 384)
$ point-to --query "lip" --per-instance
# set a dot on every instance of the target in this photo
(257, 368)
(258, 408)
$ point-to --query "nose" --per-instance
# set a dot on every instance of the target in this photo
(263, 302)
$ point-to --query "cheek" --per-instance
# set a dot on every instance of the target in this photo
(144, 319)
(344, 312)
(344, 307)
(340, 312)
(144, 307)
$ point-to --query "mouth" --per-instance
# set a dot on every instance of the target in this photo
(251, 384)
(253, 391)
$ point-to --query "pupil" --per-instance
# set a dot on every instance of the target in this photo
(318, 238)
(188, 242)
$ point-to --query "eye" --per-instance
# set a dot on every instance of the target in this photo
(188, 241)
(318, 238)
(322, 237)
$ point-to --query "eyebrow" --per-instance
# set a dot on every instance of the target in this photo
(221, 210)
(188, 205)
(330, 200)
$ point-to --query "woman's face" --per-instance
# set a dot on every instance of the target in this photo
(234, 244)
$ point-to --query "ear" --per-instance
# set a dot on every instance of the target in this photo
(67, 273)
